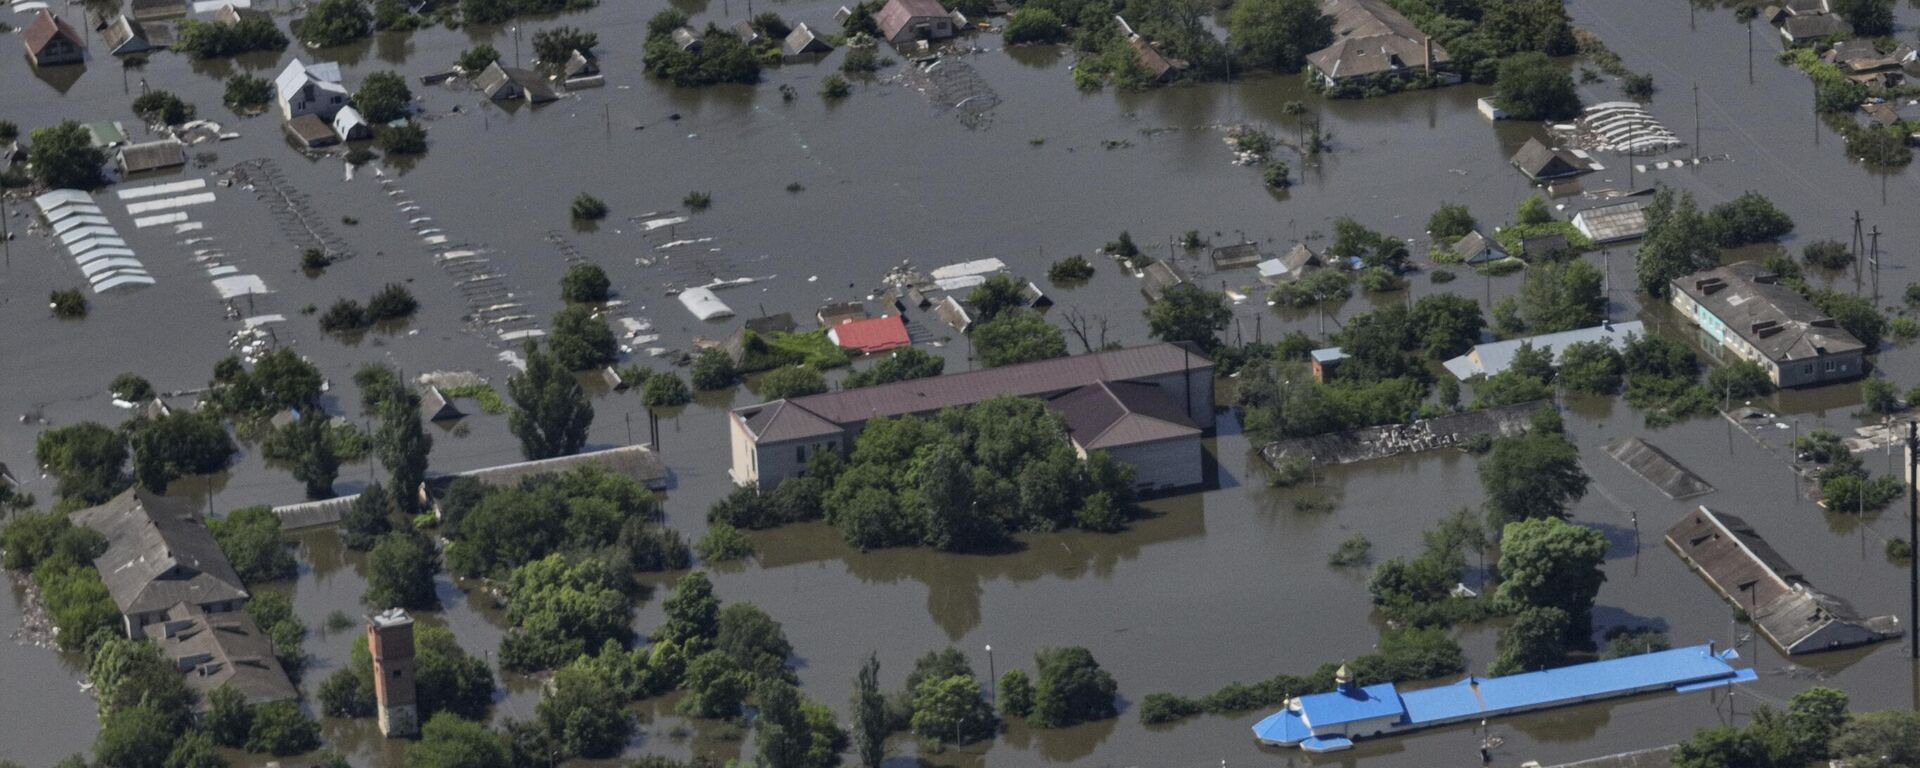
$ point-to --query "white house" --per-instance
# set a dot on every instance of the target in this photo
(315, 89)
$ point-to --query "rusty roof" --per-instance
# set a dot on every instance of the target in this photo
(44, 28)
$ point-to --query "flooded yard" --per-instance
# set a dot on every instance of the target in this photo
(1229, 584)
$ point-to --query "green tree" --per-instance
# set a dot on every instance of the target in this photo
(1072, 689)
(195, 749)
(791, 381)
(447, 741)
(1870, 18)
(1020, 336)
(1450, 222)
(1678, 242)
(333, 22)
(1527, 25)
(997, 296)
(550, 414)
(285, 380)
(754, 641)
(1593, 367)
(137, 737)
(1536, 640)
(280, 728)
(1890, 738)
(1622, 643)
(477, 58)
(562, 607)
(901, 364)
(1034, 25)
(693, 614)
(713, 369)
(1187, 312)
(403, 445)
(383, 97)
(665, 390)
(1448, 325)
(400, 573)
(64, 157)
(554, 46)
(1855, 314)
(447, 678)
(1562, 296)
(715, 687)
(585, 284)
(581, 339)
(179, 444)
(584, 715)
(1721, 747)
(1552, 563)
(1532, 475)
(1749, 218)
(250, 538)
(88, 459)
(1531, 86)
(307, 444)
(486, 11)
(870, 726)
(1016, 695)
(162, 108)
(1742, 379)
(951, 710)
(369, 517)
(1278, 34)
(408, 139)
(228, 719)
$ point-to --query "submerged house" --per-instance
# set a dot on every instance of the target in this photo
(1236, 256)
(160, 554)
(311, 131)
(1614, 223)
(1144, 404)
(1808, 29)
(222, 650)
(1157, 278)
(1477, 248)
(1290, 266)
(802, 41)
(635, 462)
(870, 335)
(1542, 163)
(303, 89)
(1751, 575)
(904, 21)
(51, 41)
(1371, 39)
(125, 36)
(151, 156)
(581, 70)
(149, 10)
(500, 83)
(1748, 311)
(1493, 358)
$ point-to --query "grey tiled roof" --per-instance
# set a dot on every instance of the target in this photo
(222, 649)
(1114, 414)
(159, 553)
(1773, 318)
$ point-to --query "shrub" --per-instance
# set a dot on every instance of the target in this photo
(713, 369)
(723, 542)
(665, 390)
(248, 92)
(1356, 550)
(409, 139)
(1075, 269)
(477, 58)
(833, 86)
(1450, 222)
(1034, 25)
(69, 304)
(1274, 173)
(1829, 254)
(131, 387)
(344, 316)
(314, 261)
(392, 302)
(861, 61)
(697, 201)
(588, 208)
(162, 108)
(791, 381)
(585, 284)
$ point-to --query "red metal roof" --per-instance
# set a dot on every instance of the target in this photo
(875, 334)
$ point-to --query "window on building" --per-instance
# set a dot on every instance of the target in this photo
(1829, 366)
(1807, 369)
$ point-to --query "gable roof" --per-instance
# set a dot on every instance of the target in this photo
(579, 64)
(1814, 27)
(897, 14)
(1112, 414)
(875, 334)
(1774, 319)
(1540, 162)
(802, 40)
(1370, 38)
(1158, 277)
(494, 80)
(434, 406)
(324, 75)
(44, 28)
(124, 35)
(1235, 256)
(1477, 248)
(312, 131)
(1156, 64)
(159, 553)
(826, 413)
(152, 155)
(1494, 357)
(222, 649)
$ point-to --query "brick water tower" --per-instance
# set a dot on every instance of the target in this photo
(390, 640)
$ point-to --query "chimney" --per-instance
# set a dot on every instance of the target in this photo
(390, 642)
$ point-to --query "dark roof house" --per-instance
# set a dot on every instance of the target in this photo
(500, 83)
(1236, 256)
(1371, 38)
(311, 131)
(1806, 30)
(159, 553)
(1542, 163)
(1476, 248)
(633, 461)
(1751, 575)
(51, 41)
(434, 406)
(1544, 247)
(1157, 278)
(222, 649)
(148, 10)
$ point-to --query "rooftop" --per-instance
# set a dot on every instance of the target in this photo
(1110, 414)
(824, 414)
(44, 28)
(1773, 318)
(1613, 223)
(1494, 357)
(635, 461)
(222, 649)
(159, 553)
(1369, 38)
(874, 334)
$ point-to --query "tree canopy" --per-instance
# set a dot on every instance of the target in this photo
(1552, 563)
(550, 414)
(64, 157)
(1278, 34)
(1531, 86)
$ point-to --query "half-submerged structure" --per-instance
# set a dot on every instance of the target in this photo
(1330, 721)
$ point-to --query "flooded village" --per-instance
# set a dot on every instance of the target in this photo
(1359, 382)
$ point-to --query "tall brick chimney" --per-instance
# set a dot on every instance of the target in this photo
(390, 639)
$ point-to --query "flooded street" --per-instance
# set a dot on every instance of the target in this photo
(1227, 585)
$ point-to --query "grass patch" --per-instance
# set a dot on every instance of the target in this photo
(1511, 237)
(765, 352)
(484, 394)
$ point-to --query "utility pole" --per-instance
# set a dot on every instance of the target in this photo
(1873, 260)
(1749, 51)
(1858, 245)
(1696, 122)
(1913, 533)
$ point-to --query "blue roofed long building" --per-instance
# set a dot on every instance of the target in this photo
(1330, 721)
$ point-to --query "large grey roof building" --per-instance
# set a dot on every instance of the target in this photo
(159, 554)
(772, 441)
(1749, 573)
(1371, 38)
(1748, 311)
(222, 649)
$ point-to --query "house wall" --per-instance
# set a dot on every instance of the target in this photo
(1358, 727)
(1833, 636)
(59, 51)
(1165, 464)
(779, 461)
(924, 28)
(746, 468)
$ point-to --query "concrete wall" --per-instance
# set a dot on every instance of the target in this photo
(777, 461)
(1165, 464)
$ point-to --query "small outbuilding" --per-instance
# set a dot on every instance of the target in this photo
(686, 39)
(124, 36)
(1539, 162)
(955, 313)
(1544, 247)
(1290, 266)
(1325, 362)
(581, 70)
(151, 156)
(350, 126)
(1476, 248)
(802, 42)
(51, 41)
(1157, 278)
(1614, 223)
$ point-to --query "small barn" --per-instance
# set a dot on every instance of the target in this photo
(350, 126)
(1539, 162)
(311, 132)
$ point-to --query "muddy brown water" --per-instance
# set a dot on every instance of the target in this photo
(1226, 585)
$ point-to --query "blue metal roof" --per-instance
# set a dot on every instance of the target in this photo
(1351, 705)
(1567, 685)
(1282, 727)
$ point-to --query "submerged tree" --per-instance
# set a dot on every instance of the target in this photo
(550, 413)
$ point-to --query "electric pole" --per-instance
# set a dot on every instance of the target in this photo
(1913, 533)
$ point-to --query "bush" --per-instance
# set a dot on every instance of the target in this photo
(250, 538)
(585, 284)
(1530, 86)
(333, 22)
(1274, 173)
(344, 316)
(162, 108)
(1829, 254)
(713, 369)
(475, 59)
(791, 381)
(833, 86)
(666, 390)
(383, 97)
(1535, 210)
(723, 542)
(393, 302)
(1034, 25)
(862, 61)
(248, 92)
(409, 139)
(1449, 223)
(281, 729)
(1356, 550)
(1749, 218)
(1072, 688)
(697, 201)
(68, 304)
(131, 387)
(588, 208)
(1076, 269)
(207, 40)
(554, 46)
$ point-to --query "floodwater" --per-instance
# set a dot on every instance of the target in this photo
(1227, 585)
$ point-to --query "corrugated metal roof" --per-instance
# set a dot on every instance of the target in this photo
(1494, 358)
